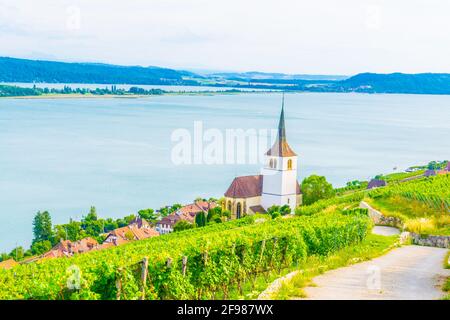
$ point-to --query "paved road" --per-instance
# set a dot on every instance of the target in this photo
(385, 231)
(409, 272)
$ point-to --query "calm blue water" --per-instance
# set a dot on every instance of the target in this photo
(66, 155)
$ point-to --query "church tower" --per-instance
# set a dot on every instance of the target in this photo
(280, 184)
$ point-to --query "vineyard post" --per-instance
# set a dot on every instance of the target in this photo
(283, 258)
(275, 240)
(184, 265)
(119, 283)
(144, 273)
(169, 262)
(263, 247)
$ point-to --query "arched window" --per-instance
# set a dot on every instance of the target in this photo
(229, 206)
(271, 163)
(290, 164)
(238, 210)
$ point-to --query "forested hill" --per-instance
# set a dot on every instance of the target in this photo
(21, 70)
(422, 83)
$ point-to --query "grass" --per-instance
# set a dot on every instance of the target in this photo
(416, 216)
(372, 246)
(398, 176)
(446, 287)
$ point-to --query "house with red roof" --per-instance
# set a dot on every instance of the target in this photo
(186, 213)
(138, 229)
(67, 248)
(8, 264)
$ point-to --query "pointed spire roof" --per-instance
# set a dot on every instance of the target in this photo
(281, 147)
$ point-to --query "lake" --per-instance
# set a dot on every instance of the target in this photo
(65, 155)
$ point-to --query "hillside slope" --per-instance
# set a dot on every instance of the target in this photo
(21, 70)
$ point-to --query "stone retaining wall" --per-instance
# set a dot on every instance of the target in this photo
(430, 241)
(379, 219)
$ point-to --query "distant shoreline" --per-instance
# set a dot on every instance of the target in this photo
(130, 96)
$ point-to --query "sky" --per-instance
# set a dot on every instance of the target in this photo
(313, 37)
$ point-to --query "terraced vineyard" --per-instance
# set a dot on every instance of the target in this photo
(192, 264)
(432, 191)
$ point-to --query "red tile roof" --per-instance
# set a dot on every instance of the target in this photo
(245, 187)
(121, 235)
(8, 264)
(248, 187)
(169, 220)
(67, 248)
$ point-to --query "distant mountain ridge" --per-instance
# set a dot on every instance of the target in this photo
(256, 75)
(421, 83)
(22, 70)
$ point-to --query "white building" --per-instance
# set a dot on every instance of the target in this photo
(277, 185)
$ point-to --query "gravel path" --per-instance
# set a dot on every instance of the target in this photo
(410, 272)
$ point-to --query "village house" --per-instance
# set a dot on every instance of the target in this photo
(277, 185)
(186, 213)
(138, 229)
(8, 264)
(376, 183)
(67, 248)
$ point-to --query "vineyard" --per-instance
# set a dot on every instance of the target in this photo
(193, 264)
(432, 191)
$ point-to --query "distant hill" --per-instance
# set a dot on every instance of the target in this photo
(422, 83)
(255, 75)
(22, 70)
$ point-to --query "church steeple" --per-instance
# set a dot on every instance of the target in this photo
(281, 147)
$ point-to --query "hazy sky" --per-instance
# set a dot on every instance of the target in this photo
(320, 36)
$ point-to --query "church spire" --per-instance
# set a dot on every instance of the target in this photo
(281, 148)
(281, 125)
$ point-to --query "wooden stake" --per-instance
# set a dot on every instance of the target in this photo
(119, 284)
(144, 273)
(263, 247)
(184, 265)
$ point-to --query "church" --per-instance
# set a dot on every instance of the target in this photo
(277, 185)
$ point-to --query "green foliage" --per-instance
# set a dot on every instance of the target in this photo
(4, 257)
(148, 214)
(41, 247)
(218, 257)
(165, 211)
(356, 211)
(42, 227)
(217, 215)
(321, 205)
(315, 188)
(182, 225)
(399, 176)
(351, 186)
(200, 219)
(432, 191)
(17, 254)
(276, 211)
